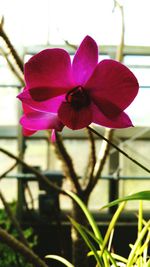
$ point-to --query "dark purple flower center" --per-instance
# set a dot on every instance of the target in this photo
(78, 98)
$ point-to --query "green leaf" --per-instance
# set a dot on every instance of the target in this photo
(148, 263)
(112, 225)
(143, 195)
(133, 253)
(88, 241)
(113, 256)
(60, 259)
(109, 256)
(90, 219)
(87, 214)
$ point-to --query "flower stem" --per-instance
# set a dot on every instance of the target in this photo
(119, 149)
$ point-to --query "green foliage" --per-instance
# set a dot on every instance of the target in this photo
(143, 195)
(104, 257)
(60, 259)
(7, 256)
(10, 258)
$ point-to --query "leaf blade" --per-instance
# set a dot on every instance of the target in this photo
(143, 195)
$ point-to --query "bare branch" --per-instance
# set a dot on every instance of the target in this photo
(120, 150)
(27, 188)
(11, 66)
(92, 160)
(119, 52)
(8, 210)
(99, 166)
(9, 45)
(103, 154)
(39, 175)
(71, 45)
(13, 220)
(16, 245)
(67, 163)
(8, 170)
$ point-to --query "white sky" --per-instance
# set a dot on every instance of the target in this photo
(39, 21)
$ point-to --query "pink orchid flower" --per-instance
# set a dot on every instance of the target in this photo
(59, 93)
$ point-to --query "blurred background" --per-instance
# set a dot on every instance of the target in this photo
(34, 25)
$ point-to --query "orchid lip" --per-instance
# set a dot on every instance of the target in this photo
(78, 98)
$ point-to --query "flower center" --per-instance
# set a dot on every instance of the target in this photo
(78, 98)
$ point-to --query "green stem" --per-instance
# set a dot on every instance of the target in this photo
(60, 259)
(111, 226)
(120, 150)
(132, 254)
(140, 218)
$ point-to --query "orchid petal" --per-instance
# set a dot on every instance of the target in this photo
(35, 121)
(53, 136)
(26, 108)
(27, 132)
(40, 94)
(113, 82)
(122, 120)
(74, 119)
(85, 60)
(48, 73)
(51, 105)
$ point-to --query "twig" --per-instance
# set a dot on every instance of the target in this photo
(27, 188)
(21, 248)
(8, 210)
(34, 171)
(104, 153)
(93, 153)
(71, 45)
(92, 160)
(15, 55)
(13, 220)
(11, 66)
(8, 170)
(120, 150)
(68, 164)
(120, 48)
(98, 168)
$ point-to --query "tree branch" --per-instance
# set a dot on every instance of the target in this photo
(15, 55)
(71, 45)
(120, 48)
(13, 220)
(8, 170)
(8, 210)
(120, 150)
(67, 163)
(92, 160)
(21, 248)
(98, 168)
(39, 175)
(19, 75)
